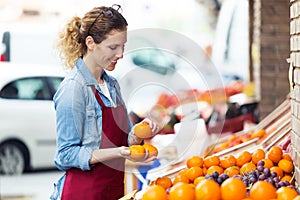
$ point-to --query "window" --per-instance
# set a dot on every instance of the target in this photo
(54, 82)
(27, 89)
(10, 91)
(154, 60)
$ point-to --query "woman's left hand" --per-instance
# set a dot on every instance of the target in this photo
(125, 153)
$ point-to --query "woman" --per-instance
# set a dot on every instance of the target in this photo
(93, 128)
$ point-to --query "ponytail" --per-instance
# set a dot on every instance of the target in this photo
(69, 46)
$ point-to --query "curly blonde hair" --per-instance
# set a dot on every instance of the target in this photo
(96, 23)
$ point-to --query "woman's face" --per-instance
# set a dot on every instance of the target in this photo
(107, 53)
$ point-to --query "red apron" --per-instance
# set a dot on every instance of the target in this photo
(105, 181)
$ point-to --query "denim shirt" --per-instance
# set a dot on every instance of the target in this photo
(79, 119)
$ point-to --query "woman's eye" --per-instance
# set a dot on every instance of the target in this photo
(113, 47)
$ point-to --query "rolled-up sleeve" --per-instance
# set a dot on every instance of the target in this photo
(69, 102)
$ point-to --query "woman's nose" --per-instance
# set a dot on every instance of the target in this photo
(120, 53)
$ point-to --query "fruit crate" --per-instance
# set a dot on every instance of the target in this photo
(275, 115)
(276, 126)
(250, 146)
(277, 133)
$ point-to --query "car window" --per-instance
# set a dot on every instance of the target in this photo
(34, 88)
(154, 60)
(55, 81)
(10, 91)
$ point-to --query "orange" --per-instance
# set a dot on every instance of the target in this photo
(194, 161)
(204, 169)
(208, 190)
(275, 154)
(152, 150)
(233, 170)
(227, 161)
(288, 178)
(199, 179)
(152, 183)
(164, 181)
(194, 172)
(268, 163)
(183, 171)
(247, 167)
(287, 157)
(182, 191)
(211, 160)
(258, 134)
(297, 197)
(142, 130)
(233, 189)
(286, 193)
(278, 171)
(181, 178)
(156, 192)
(137, 152)
(258, 155)
(263, 190)
(243, 158)
(286, 165)
(215, 168)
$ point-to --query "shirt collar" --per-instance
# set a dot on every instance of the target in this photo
(88, 76)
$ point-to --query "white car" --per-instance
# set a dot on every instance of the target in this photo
(27, 116)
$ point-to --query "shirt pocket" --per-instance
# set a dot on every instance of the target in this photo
(91, 114)
(92, 127)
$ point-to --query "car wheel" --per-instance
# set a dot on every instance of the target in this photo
(12, 158)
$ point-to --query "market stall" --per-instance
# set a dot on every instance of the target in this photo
(271, 136)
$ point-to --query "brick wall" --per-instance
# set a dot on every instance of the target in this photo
(270, 49)
(295, 82)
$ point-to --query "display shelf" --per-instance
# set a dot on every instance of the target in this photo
(277, 126)
(277, 122)
(235, 150)
(279, 135)
(276, 114)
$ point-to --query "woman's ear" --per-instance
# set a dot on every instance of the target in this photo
(89, 42)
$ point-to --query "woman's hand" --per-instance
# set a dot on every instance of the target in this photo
(125, 153)
(134, 139)
(153, 125)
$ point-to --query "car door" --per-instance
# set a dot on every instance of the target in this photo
(31, 118)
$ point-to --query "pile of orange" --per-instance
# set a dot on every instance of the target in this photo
(191, 184)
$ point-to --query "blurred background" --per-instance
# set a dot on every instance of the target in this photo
(209, 55)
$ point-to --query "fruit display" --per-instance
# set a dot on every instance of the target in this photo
(209, 96)
(267, 175)
(254, 164)
(272, 130)
(236, 139)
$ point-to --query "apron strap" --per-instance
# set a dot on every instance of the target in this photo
(98, 96)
